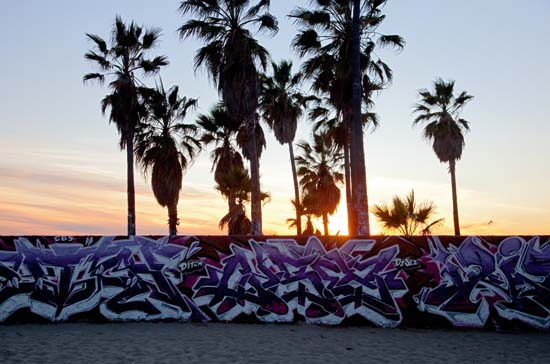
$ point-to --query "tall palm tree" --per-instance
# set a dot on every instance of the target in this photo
(122, 59)
(406, 216)
(441, 110)
(282, 104)
(319, 166)
(326, 36)
(231, 55)
(166, 146)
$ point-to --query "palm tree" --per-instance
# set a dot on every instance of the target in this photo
(282, 104)
(236, 185)
(319, 166)
(122, 60)
(231, 55)
(406, 216)
(220, 130)
(166, 146)
(441, 110)
(226, 134)
(326, 36)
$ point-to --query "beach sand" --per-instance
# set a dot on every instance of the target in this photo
(246, 343)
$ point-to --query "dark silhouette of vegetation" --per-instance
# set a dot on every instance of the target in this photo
(440, 110)
(326, 36)
(339, 42)
(121, 60)
(319, 166)
(232, 55)
(166, 146)
(282, 104)
(405, 216)
(232, 180)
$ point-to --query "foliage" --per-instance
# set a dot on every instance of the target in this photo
(231, 55)
(166, 146)
(121, 60)
(319, 166)
(441, 110)
(406, 216)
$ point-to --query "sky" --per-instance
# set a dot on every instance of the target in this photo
(62, 173)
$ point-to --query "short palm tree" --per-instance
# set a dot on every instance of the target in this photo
(122, 60)
(236, 185)
(441, 110)
(232, 55)
(406, 216)
(282, 104)
(326, 36)
(165, 146)
(319, 166)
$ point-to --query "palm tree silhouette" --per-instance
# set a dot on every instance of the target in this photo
(325, 120)
(236, 185)
(231, 55)
(441, 110)
(232, 179)
(306, 209)
(121, 60)
(166, 146)
(282, 104)
(319, 166)
(326, 36)
(406, 216)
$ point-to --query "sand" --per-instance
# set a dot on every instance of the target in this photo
(244, 343)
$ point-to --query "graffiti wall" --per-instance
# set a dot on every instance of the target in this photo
(423, 281)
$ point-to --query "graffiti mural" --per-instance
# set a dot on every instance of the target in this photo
(391, 281)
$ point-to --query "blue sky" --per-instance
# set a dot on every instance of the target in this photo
(61, 170)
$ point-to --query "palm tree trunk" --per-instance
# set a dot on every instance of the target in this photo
(325, 223)
(256, 203)
(173, 219)
(358, 172)
(452, 168)
(349, 200)
(130, 184)
(231, 203)
(296, 190)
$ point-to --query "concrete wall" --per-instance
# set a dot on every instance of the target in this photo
(479, 282)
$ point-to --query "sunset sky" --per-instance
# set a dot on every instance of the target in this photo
(61, 171)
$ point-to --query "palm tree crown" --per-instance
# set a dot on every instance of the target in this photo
(326, 37)
(440, 110)
(166, 146)
(406, 216)
(220, 130)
